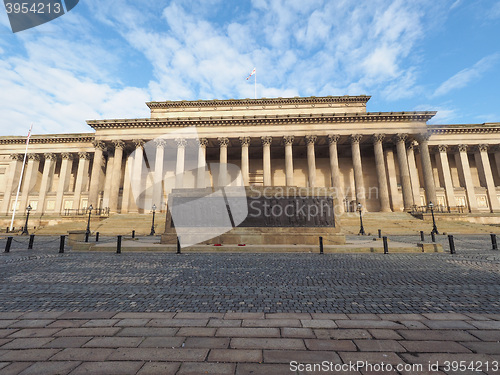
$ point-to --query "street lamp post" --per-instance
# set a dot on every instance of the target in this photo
(87, 232)
(361, 228)
(153, 223)
(25, 229)
(434, 227)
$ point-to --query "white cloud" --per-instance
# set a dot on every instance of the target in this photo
(445, 113)
(466, 76)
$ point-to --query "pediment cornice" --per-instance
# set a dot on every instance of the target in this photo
(49, 138)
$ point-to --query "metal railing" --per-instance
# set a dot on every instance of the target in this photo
(438, 209)
(83, 211)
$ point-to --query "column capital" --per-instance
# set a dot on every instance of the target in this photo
(99, 145)
(355, 138)
(202, 142)
(400, 137)
(245, 141)
(84, 155)
(422, 137)
(223, 141)
(413, 146)
(442, 148)
(462, 148)
(118, 143)
(50, 156)
(378, 138)
(17, 157)
(67, 155)
(333, 138)
(160, 142)
(138, 143)
(181, 142)
(310, 139)
(267, 140)
(483, 147)
(35, 157)
(288, 139)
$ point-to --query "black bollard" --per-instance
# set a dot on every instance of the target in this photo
(97, 237)
(30, 244)
(178, 245)
(433, 236)
(87, 236)
(321, 245)
(8, 244)
(494, 245)
(61, 245)
(7, 230)
(452, 244)
(380, 233)
(133, 234)
(386, 246)
(422, 238)
(119, 245)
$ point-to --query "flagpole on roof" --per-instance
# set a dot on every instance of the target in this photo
(20, 178)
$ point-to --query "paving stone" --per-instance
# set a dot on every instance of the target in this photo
(42, 315)
(399, 317)
(4, 341)
(335, 345)
(10, 315)
(207, 342)
(15, 368)
(248, 332)
(244, 315)
(144, 315)
(35, 332)
(162, 342)
(363, 316)
(27, 343)
(384, 334)
(198, 316)
(262, 369)
(147, 332)
(413, 324)
(266, 343)
(474, 316)
(82, 354)
(156, 368)
(159, 354)
(490, 324)
(306, 333)
(443, 357)
(342, 334)
(132, 322)
(318, 323)
(50, 368)
(235, 355)
(379, 346)
(27, 355)
(7, 332)
(445, 316)
(108, 368)
(329, 316)
(100, 323)
(67, 323)
(178, 323)
(188, 368)
(301, 356)
(87, 315)
(224, 323)
(105, 331)
(434, 347)
(482, 347)
(7, 323)
(437, 335)
(67, 342)
(289, 315)
(31, 323)
(113, 342)
(368, 324)
(271, 323)
(484, 335)
(448, 324)
(197, 331)
(378, 357)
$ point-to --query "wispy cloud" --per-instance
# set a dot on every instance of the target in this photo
(466, 76)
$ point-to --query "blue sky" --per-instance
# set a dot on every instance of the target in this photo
(105, 59)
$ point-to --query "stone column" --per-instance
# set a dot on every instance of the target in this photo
(415, 183)
(62, 186)
(445, 171)
(96, 173)
(358, 170)
(222, 178)
(266, 159)
(429, 184)
(179, 166)
(127, 184)
(496, 149)
(396, 203)
(12, 181)
(245, 160)
(107, 181)
(158, 173)
(48, 174)
(485, 169)
(30, 172)
(311, 159)
(381, 175)
(202, 163)
(335, 170)
(404, 171)
(116, 175)
(138, 184)
(288, 140)
(464, 169)
(83, 171)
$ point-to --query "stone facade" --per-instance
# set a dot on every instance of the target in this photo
(387, 161)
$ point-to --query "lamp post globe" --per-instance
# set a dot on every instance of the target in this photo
(152, 233)
(434, 227)
(361, 227)
(25, 229)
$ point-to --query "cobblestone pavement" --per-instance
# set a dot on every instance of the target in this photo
(43, 280)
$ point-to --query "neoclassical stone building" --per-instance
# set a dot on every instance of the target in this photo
(387, 161)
